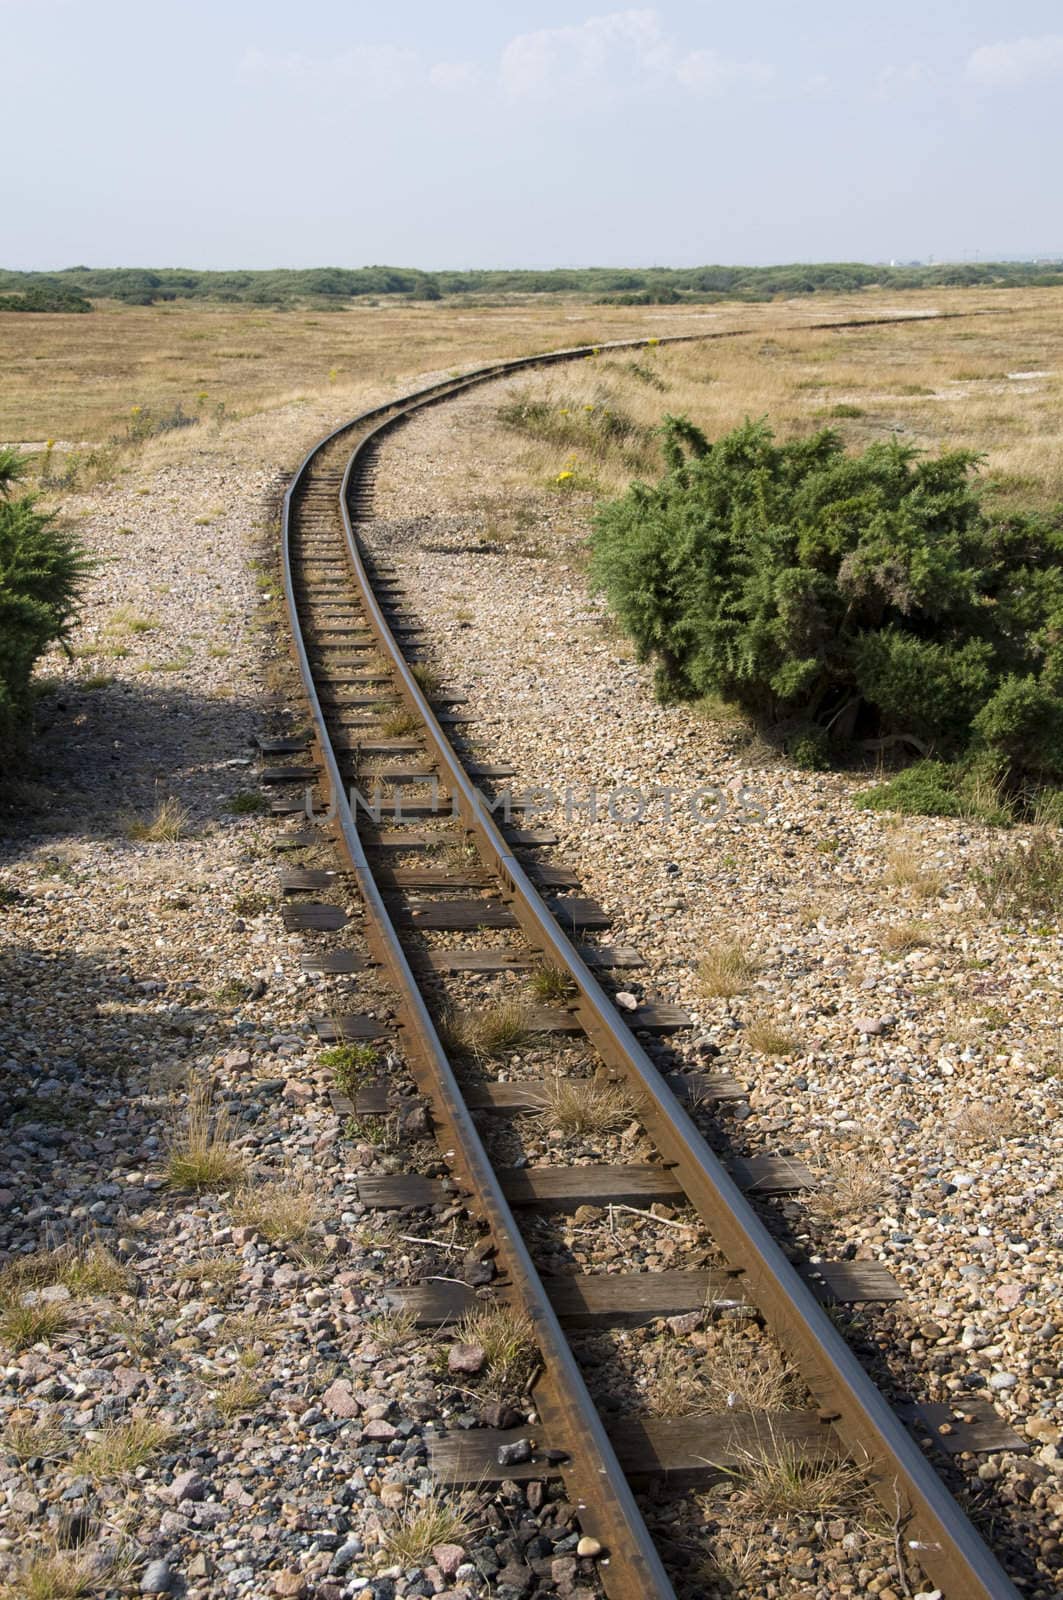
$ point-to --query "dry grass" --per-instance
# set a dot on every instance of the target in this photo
(121, 1449)
(95, 1271)
(22, 1326)
(390, 1329)
(853, 1183)
(428, 680)
(55, 1575)
(398, 722)
(426, 1521)
(550, 983)
(201, 1152)
(779, 1480)
(495, 1031)
(1025, 880)
(507, 1338)
(977, 1123)
(167, 823)
(901, 937)
(586, 1105)
(905, 871)
(221, 1271)
(283, 1212)
(725, 970)
(770, 1037)
(29, 1437)
(237, 1397)
(740, 1369)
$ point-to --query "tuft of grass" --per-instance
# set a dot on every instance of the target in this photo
(780, 1480)
(201, 1153)
(127, 620)
(507, 1339)
(771, 1038)
(586, 1105)
(905, 871)
(28, 1437)
(398, 722)
(900, 937)
(390, 1329)
(246, 803)
(428, 680)
(739, 1370)
(725, 970)
(499, 1029)
(96, 1271)
(426, 1521)
(167, 823)
(22, 1326)
(221, 1271)
(550, 982)
(350, 1064)
(854, 1183)
(988, 1122)
(54, 1575)
(1026, 880)
(121, 1449)
(281, 1212)
(239, 1396)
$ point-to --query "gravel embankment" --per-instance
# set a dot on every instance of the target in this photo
(200, 1392)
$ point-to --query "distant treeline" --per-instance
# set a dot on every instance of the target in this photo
(334, 286)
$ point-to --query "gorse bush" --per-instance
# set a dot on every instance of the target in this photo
(845, 598)
(41, 568)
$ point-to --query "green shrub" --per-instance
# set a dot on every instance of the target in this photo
(839, 598)
(40, 571)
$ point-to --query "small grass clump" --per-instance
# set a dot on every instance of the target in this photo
(551, 983)
(122, 1448)
(281, 1212)
(390, 1329)
(586, 1105)
(31, 1438)
(726, 970)
(781, 1480)
(54, 1575)
(246, 803)
(398, 722)
(350, 1064)
(483, 1035)
(737, 1371)
(202, 1155)
(905, 871)
(239, 1396)
(167, 823)
(426, 1521)
(1026, 881)
(22, 1326)
(901, 937)
(428, 680)
(771, 1038)
(95, 1271)
(854, 1183)
(221, 1272)
(507, 1339)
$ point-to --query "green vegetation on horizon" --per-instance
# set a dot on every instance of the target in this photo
(334, 286)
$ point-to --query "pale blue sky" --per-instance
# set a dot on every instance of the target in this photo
(255, 133)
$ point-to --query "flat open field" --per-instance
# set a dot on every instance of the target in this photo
(991, 381)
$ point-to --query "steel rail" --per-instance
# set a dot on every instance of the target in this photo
(632, 1568)
(937, 1534)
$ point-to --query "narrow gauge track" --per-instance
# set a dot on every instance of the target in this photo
(341, 619)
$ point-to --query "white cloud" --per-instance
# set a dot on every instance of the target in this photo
(616, 53)
(1012, 62)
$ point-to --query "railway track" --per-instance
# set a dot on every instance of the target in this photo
(427, 805)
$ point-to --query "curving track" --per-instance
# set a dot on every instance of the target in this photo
(342, 617)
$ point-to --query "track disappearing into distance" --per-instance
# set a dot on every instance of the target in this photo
(342, 615)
